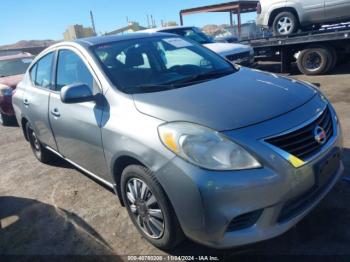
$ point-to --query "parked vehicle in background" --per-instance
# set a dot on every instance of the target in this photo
(226, 39)
(235, 53)
(286, 17)
(316, 52)
(12, 69)
(222, 154)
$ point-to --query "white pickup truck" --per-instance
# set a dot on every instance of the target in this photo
(235, 53)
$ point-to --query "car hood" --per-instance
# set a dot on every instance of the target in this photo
(241, 99)
(11, 81)
(225, 49)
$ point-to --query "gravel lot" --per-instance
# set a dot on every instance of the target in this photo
(55, 210)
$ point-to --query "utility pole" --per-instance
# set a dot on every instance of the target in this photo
(148, 21)
(93, 22)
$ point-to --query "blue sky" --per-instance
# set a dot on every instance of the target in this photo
(43, 19)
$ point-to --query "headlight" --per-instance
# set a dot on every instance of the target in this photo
(205, 147)
(6, 91)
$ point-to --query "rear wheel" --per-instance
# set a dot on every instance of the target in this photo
(285, 23)
(333, 59)
(149, 207)
(40, 152)
(313, 61)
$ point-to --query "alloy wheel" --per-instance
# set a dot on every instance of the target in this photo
(145, 208)
(285, 25)
(36, 142)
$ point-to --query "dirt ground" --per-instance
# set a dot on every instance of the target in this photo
(56, 210)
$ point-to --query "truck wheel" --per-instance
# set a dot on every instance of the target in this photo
(149, 207)
(313, 61)
(40, 152)
(285, 23)
(333, 59)
(5, 120)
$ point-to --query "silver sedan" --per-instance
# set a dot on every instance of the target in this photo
(191, 144)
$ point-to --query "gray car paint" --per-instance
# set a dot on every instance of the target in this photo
(231, 102)
(208, 199)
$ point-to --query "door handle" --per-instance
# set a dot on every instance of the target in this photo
(55, 112)
(26, 102)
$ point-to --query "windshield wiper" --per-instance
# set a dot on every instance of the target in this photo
(180, 82)
(201, 77)
(152, 87)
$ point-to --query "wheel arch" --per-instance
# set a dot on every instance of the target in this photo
(277, 11)
(118, 167)
(24, 122)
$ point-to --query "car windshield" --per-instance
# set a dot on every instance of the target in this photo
(156, 64)
(193, 33)
(14, 66)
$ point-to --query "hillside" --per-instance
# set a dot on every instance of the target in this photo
(29, 43)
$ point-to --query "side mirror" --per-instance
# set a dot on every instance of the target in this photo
(76, 93)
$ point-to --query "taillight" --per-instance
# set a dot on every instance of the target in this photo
(258, 8)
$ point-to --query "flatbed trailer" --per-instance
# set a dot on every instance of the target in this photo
(316, 52)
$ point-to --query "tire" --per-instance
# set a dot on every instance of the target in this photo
(285, 23)
(313, 61)
(161, 229)
(40, 152)
(332, 59)
(6, 120)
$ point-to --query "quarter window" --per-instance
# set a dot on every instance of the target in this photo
(33, 72)
(72, 70)
(41, 72)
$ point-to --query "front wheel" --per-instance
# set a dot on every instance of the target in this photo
(149, 207)
(285, 23)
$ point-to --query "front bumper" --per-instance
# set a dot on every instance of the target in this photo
(207, 202)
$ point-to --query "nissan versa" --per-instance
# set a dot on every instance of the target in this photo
(191, 144)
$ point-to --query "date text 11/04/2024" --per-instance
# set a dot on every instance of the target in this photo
(173, 258)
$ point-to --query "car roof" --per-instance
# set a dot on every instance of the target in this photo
(160, 29)
(98, 40)
(17, 56)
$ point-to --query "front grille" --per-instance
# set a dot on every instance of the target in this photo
(244, 221)
(236, 57)
(301, 143)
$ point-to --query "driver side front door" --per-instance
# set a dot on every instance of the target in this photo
(77, 127)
